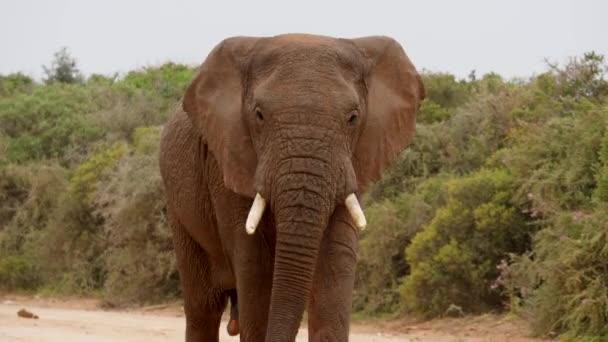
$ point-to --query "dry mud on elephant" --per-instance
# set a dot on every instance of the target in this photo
(81, 320)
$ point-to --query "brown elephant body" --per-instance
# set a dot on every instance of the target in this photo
(302, 121)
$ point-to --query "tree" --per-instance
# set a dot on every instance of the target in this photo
(63, 69)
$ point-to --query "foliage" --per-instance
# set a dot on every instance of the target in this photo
(564, 280)
(168, 80)
(146, 139)
(443, 94)
(63, 69)
(382, 261)
(140, 259)
(600, 193)
(16, 272)
(499, 203)
(87, 175)
(142, 98)
(453, 260)
(13, 84)
(47, 123)
(547, 137)
(444, 90)
(431, 112)
(29, 194)
(554, 162)
(582, 77)
(72, 219)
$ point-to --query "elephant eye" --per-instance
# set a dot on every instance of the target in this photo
(353, 117)
(258, 114)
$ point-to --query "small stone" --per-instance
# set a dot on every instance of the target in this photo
(26, 314)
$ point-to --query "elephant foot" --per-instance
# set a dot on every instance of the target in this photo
(233, 327)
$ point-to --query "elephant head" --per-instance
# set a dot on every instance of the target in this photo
(304, 123)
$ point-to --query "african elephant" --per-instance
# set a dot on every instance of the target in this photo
(262, 166)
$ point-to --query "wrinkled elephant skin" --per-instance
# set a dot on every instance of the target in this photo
(302, 124)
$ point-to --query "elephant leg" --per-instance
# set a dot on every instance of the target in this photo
(252, 263)
(330, 302)
(253, 268)
(203, 303)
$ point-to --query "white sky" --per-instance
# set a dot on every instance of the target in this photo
(511, 37)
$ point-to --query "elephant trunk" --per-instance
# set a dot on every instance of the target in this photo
(302, 202)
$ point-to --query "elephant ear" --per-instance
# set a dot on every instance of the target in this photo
(213, 102)
(394, 94)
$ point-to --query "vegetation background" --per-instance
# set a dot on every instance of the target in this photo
(500, 203)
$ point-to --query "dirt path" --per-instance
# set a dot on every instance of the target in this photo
(85, 322)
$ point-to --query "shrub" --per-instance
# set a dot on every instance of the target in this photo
(600, 193)
(563, 282)
(88, 174)
(69, 250)
(48, 123)
(46, 234)
(63, 69)
(477, 130)
(444, 90)
(418, 162)
(431, 112)
(13, 84)
(582, 77)
(393, 223)
(139, 259)
(32, 191)
(146, 139)
(168, 80)
(554, 163)
(124, 111)
(453, 260)
(17, 272)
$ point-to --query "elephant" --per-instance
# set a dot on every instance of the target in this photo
(263, 168)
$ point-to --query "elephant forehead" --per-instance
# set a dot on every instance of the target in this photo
(305, 53)
(293, 87)
(301, 38)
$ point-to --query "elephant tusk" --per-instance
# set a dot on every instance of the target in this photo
(355, 211)
(255, 214)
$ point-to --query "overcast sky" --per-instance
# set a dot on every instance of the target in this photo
(511, 37)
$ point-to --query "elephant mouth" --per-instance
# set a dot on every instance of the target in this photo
(259, 205)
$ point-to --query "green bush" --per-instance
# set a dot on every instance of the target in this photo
(431, 112)
(17, 272)
(69, 250)
(146, 139)
(31, 195)
(554, 162)
(582, 77)
(418, 162)
(48, 123)
(13, 84)
(393, 223)
(89, 173)
(454, 259)
(63, 69)
(600, 193)
(168, 80)
(125, 111)
(444, 90)
(563, 282)
(139, 258)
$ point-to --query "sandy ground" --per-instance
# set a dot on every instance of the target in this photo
(83, 320)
